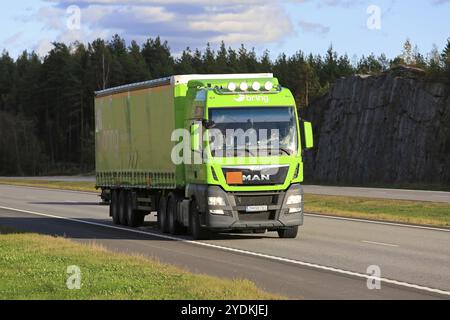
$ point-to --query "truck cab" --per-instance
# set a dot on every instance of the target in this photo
(246, 169)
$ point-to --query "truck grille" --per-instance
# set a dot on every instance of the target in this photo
(259, 216)
(256, 175)
(256, 200)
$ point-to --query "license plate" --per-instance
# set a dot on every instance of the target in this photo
(256, 208)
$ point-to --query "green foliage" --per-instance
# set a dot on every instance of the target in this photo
(36, 267)
(54, 95)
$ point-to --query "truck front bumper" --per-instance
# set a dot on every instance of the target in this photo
(238, 215)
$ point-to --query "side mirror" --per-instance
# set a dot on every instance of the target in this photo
(208, 124)
(195, 137)
(309, 139)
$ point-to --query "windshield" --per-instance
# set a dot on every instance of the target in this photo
(260, 130)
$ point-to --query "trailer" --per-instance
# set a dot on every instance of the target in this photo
(207, 153)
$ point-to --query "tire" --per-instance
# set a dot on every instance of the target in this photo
(172, 206)
(135, 218)
(123, 207)
(114, 207)
(162, 215)
(289, 233)
(195, 228)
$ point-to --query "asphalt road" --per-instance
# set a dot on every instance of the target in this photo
(328, 260)
(377, 193)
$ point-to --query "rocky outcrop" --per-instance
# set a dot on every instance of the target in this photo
(392, 128)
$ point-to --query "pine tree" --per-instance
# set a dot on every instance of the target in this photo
(407, 54)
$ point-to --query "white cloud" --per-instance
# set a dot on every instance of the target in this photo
(312, 27)
(252, 24)
(182, 22)
(43, 47)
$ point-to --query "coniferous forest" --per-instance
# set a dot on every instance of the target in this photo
(47, 103)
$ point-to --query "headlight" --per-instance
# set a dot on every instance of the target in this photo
(216, 201)
(218, 212)
(295, 210)
(295, 199)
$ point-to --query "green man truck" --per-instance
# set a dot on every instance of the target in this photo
(208, 153)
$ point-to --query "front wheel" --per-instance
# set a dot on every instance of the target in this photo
(289, 233)
(195, 228)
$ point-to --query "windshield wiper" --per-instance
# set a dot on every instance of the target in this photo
(287, 151)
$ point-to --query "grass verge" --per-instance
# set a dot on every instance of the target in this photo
(62, 185)
(35, 267)
(413, 212)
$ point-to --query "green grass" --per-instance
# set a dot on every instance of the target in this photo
(35, 267)
(414, 212)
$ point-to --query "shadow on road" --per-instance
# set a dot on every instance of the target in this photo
(68, 203)
(75, 230)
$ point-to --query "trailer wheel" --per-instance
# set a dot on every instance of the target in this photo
(289, 233)
(172, 206)
(162, 215)
(195, 228)
(135, 218)
(123, 207)
(114, 207)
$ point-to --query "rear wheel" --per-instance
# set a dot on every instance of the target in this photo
(135, 218)
(162, 215)
(195, 228)
(289, 233)
(114, 207)
(172, 208)
(123, 207)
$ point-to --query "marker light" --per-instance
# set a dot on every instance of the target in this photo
(268, 86)
(256, 86)
(243, 86)
(232, 86)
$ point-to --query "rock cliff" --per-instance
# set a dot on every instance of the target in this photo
(393, 128)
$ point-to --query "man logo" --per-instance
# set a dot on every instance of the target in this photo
(240, 98)
(250, 178)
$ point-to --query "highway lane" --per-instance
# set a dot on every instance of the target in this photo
(376, 193)
(406, 254)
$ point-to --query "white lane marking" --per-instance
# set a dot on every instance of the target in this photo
(249, 253)
(380, 243)
(376, 222)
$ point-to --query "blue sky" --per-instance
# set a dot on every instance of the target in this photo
(280, 26)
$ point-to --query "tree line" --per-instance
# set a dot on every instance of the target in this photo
(47, 103)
